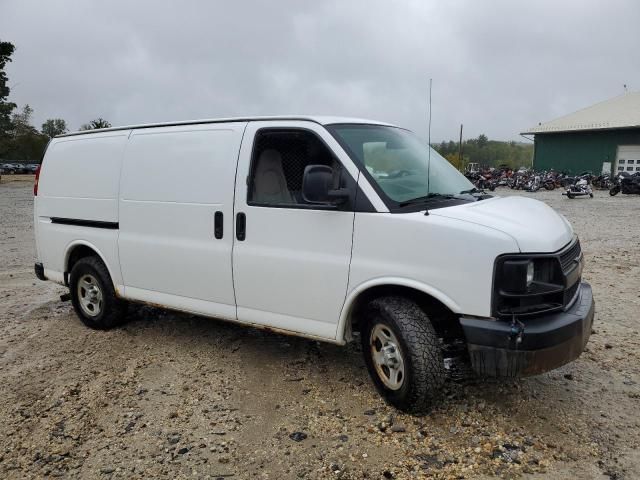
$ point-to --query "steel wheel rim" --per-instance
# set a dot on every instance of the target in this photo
(386, 355)
(89, 295)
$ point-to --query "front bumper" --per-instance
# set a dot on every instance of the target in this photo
(547, 342)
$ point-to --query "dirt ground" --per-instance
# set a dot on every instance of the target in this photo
(177, 396)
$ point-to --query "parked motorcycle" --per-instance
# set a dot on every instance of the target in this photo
(482, 182)
(602, 182)
(518, 181)
(579, 188)
(549, 182)
(533, 185)
(626, 183)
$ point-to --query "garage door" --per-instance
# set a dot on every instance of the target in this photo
(628, 159)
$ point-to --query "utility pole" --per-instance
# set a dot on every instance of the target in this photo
(460, 150)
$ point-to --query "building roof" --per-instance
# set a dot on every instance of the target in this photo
(322, 120)
(622, 111)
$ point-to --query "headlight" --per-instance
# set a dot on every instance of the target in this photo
(530, 271)
(527, 284)
(516, 276)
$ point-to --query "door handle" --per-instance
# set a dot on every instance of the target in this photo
(218, 225)
(241, 226)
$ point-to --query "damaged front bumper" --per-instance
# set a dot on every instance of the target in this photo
(546, 342)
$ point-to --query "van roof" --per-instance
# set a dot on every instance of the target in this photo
(320, 119)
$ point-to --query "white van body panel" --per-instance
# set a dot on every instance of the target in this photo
(291, 271)
(57, 241)
(430, 253)
(80, 177)
(534, 225)
(174, 179)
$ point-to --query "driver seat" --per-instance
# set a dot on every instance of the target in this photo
(269, 182)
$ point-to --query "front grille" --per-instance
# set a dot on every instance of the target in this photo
(569, 255)
(570, 293)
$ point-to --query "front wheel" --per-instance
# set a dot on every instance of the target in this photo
(614, 191)
(403, 354)
(570, 195)
(93, 295)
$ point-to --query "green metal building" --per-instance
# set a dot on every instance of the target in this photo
(602, 138)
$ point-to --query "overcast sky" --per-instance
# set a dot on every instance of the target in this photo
(499, 67)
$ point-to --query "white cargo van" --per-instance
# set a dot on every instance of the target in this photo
(318, 227)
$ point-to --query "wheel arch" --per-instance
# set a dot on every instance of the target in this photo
(429, 298)
(78, 249)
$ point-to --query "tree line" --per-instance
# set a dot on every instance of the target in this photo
(19, 138)
(487, 153)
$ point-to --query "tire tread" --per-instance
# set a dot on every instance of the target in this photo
(114, 308)
(420, 343)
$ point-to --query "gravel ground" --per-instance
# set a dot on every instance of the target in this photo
(177, 396)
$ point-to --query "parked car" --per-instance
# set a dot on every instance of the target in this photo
(319, 227)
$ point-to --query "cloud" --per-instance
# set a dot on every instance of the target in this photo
(498, 67)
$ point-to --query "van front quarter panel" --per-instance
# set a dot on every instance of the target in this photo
(448, 259)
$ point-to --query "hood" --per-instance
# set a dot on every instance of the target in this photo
(534, 225)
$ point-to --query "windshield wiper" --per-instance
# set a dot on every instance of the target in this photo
(424, 198)
(471, 191)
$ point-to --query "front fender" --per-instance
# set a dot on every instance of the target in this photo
(352, 296)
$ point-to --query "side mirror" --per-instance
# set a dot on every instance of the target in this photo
(317, 186)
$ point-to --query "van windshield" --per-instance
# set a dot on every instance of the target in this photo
(400, 164)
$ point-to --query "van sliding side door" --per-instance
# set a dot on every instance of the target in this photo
(176, 216)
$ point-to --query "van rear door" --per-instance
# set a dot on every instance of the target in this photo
(176, 213)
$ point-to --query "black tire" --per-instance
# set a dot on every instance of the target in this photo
(570, 195)
(112, 310)
(420, 347)
(614, 191)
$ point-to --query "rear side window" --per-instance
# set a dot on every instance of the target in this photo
(278, 162)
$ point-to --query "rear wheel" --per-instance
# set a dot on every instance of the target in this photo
(93, 295)
(403, 354)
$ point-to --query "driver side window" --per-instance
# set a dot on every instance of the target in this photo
(279, 159)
